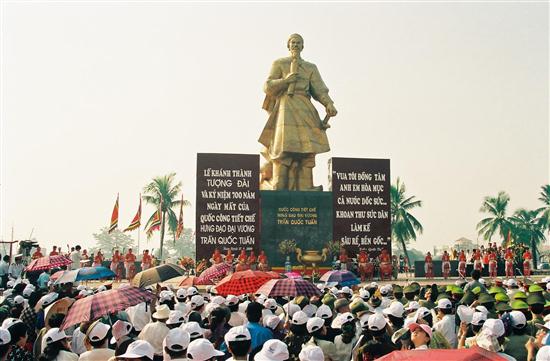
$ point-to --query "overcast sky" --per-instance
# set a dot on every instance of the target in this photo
(100, 98)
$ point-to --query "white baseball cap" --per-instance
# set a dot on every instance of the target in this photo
(238, 333)
(196, 301)
(518, 319)
(54, 335)
(548, 286)
(10, 321)
(273, 350)
(19, 300)
(202, 350)
(299, 318)
(364, 294)
(314, 324)
(341, 319)
(479, 318)
(376, 322)
(385, 290)
(231, 300)
(219, 300)
(373, 285)
(482, 281)
(48, 299)
(191, 291)
(364, 320)
(512, 282)
(412, 306)
(261, 299)
(120, 329)
(181, 293)
(5, 337)
(98, 331)
(444, 304)
(271, 321)
(345, 290)
(396, 309)
(270, 304)
(482, 309)
(310, 310)
(291, 308)
(139, 349)
(177, 340)
(193, 328)
(166, 295)
(311, 353)
(324, 312)
(494, 327)
(543, 354)
(175, 317)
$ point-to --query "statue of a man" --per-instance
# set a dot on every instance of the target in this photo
(294, 132)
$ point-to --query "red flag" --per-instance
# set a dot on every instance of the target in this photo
(155, 223)
(179, 229)
(136, 222)
(114, 217)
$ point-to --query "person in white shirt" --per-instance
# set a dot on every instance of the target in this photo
(446, 324)
(75, 258)
(155, 332)
(98, 338)
(4, 269)
(16, 268)
(57, 347)
(175, 345)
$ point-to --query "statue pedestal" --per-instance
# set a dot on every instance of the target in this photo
(305, 217)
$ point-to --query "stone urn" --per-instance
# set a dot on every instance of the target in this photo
(311, 258)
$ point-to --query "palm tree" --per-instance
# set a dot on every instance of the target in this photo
(528, 230)
(404, 225)
(164, 195)
(498, 221)
(545, 210)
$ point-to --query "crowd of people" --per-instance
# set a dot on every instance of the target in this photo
(510, 317)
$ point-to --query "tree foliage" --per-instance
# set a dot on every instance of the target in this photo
(497, 222)
(107, 242)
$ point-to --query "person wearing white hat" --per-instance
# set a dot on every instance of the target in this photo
(316, 329)
(515, 343)
(275, 324)
(175, 344)
(97, 337)
(155, 332)
(5, 343)
(298, 334)
(238, 341)
(57, 347)
(166, 297)
(310, 310)
(138, 350)
(395, 313)
(121, 336)
(446, 321)
(175, 319)
(139, 315)
(202, 350)
(345, 342)
(194, 329)
(237, 318)
(273, 350)
(196, 304)
(311, 353)
(379, 344)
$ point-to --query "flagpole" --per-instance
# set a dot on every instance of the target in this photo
(138, 241)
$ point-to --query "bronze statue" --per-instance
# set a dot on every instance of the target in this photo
(294, 132)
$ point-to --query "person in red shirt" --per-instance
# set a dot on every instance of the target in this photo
(462, 264)
(37, 253)
(509, 263)
(54, 251)
(252, 258)
(445, 264)
(363, 260)
(146, 260)
(115, 260)
(527, 257)
(98, 259)
(343, 259)
(492, 264)
(242, 265)
(478, 265)
(216, 257)
(428, 265)
(242, 256)
(262, 261)
(229, 257)
(129, 264)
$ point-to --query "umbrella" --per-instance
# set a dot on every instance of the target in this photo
(293, 275)
(211, 273)
(470, 354)
(243, 282)
(95, 306)
(343, 278)
(59, 306)
(86, 273)
(48, 262)
(288, 287)
(57, 274)
(188, 281)
(157, 274)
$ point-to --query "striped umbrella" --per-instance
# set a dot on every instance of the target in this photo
(243, 282)
(48, 262)
(209, 275)
(157, 274)
(103, 303)
(343, 278)
(288, 287)
(85, 274)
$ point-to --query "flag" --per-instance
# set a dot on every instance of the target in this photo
(155, 223)
(179, 229)
(114, 217)
(136, 222)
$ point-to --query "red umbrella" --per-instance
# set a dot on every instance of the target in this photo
(212, 273)
(243, 282)
(48, 262)
(288, 287)
(93, 307)
(470, 354)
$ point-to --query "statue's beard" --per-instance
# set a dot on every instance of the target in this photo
(295, 53)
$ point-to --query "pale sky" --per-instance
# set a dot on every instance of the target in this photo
(99, 98)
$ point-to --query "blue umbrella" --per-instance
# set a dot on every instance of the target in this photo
(85, 274)
(343, 278)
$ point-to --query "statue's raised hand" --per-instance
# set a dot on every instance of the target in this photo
(291, 78)
(331, 110)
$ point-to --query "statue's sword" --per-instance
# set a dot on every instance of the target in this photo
(324, 122)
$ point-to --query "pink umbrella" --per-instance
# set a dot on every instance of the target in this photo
(209, 275)
(48, 262)
(293, 275)
(288, 287)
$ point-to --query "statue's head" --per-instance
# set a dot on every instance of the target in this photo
(295, 43)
